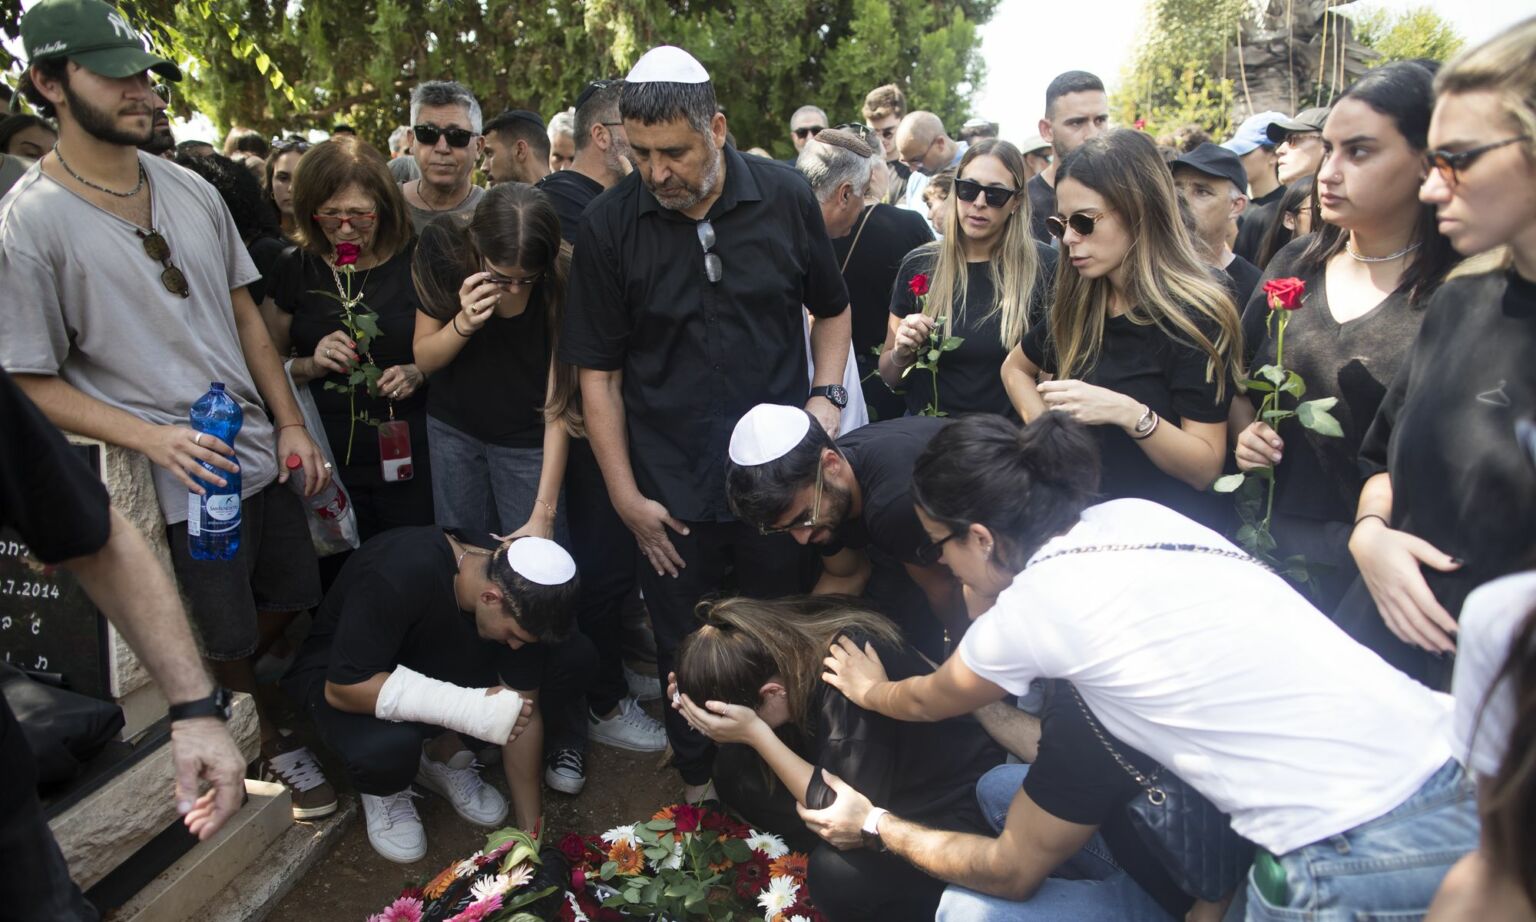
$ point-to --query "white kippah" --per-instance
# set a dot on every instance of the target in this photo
(768, 432)
(667, 64)
(542, 561)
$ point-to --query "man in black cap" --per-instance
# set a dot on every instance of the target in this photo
(516, 147)
(686, 307)
(1213, 183)
(602, 156)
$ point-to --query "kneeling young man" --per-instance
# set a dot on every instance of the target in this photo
(425, 642)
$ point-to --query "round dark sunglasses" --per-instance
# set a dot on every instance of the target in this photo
(1449, 165)
(457, 137)
(967, 189)
(1081, 222)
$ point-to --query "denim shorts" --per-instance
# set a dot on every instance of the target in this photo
(275, 570)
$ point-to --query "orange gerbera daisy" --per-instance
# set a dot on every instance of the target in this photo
(629, 859)
(439, 884)
(793, 865)
(665, 813)
(724, 864)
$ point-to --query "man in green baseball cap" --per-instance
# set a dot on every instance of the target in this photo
(94, 35)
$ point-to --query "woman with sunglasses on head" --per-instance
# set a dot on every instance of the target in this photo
(1142, 341)
(281, 166)
(1451, 502)
(987, 282)
(1369, 271)
(347, 203)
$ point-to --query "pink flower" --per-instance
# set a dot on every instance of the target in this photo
(476, 912)
(405, 909)
(578, 879)
(347, 253)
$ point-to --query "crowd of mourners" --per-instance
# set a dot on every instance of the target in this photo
(895, 459)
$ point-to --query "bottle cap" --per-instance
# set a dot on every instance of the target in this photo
(293, 462)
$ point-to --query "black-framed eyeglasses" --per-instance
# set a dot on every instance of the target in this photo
(163, 90)
(157, 248)
(966, 190)
(862, 132)
(809, 522)
(429, 134)
(714, 270)
(809, 131)
(1082, 222)
(1450, 164)
(930, 553)
(505, 282)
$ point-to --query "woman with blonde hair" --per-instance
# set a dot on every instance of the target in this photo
(987, 283)
(1142, 342)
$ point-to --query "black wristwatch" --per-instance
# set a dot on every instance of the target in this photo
(836, 393)
(215, 705)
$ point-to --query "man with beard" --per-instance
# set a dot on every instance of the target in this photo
(852, 499)
(516, 147)
(602, 156)
(127, 285)
(1076, 109)
(685, 310)
(445, 128)
(161, 143)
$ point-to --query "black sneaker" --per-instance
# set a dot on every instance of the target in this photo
(566, 771)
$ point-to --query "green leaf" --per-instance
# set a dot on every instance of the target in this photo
(1274, 374)
(1228, 483)
(631, 896)
(1258, 384)
(1315, 416)
(1294, 385)
(368, 322)
(1275, 417)
(608, 869)
(516, 900)
(933, 355)
(736, 850)
(357, 377)
(263, 61)
(952, 343)
(658, 852)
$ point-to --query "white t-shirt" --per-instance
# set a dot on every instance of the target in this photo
(1490, 618)
(1220, 671)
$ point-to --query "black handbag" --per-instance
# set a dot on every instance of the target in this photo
(64, 729)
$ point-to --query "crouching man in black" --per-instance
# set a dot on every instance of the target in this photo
(426, 642)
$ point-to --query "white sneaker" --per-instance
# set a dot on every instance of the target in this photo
(630, 728)
(642, 687)
(394, 828)
(459, 780)
(566, 771)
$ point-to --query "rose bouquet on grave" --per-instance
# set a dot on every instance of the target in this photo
(506, 881)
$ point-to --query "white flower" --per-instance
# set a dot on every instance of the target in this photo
(467, 866)
(768, 844)
(798, 919)
(625, 834)
(779, 896)
(576, 914)
(519, 876)
(489, 886)
(673, 861)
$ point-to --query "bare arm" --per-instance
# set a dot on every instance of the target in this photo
(436, 343)
(846, 572)
(361, 698)
(266, 369)
(1011, 728)
(1192, 452)
(829, 347)
(1020, 376)
(951, 690)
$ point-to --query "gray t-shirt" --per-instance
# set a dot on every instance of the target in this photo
(84, 302)
(421, 217)
(404, 169)
(11, 169)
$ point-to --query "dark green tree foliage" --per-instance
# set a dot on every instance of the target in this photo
(281, 65)
(1176, 77)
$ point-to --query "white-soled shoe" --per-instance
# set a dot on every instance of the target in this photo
(629, 728)
(566, 771)
(459, 780)
(642, 687)
(394, 827)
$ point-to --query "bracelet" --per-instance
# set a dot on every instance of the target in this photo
(1372, 515)
(1156, 421)
(455, 323)
(546, 506)
(291, 425)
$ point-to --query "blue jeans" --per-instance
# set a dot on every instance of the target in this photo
(1088, 887)
(484, 488)
(1388, 868)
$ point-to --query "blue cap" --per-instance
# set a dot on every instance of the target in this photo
(1253, 133)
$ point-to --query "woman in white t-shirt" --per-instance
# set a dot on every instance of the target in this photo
(1334, 763)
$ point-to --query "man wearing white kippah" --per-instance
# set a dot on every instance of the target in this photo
(426, 641)
(684, 310)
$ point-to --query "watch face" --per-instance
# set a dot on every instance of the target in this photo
(838, 395)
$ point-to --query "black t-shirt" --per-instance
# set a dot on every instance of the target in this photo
(925, 772)
(970, 379)
(494, 389)
(1446, 431)
(1242, 277)
(881, 456)
(302, 285)
(1166, 374)
(1074, 778)
(697, 355)
(889, 233)
(1042, 204)
(265, 252)
(570, 192)
(393, 604)
(1254, 222)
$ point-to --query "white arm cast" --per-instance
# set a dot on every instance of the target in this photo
(408, 695)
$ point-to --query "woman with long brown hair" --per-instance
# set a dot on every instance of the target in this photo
(1142, 341)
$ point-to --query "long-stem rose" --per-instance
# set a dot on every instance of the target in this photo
(938, 344)
(1285, 294)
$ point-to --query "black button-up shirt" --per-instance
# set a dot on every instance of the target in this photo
(696, 355)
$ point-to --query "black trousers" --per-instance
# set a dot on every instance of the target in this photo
(846, 886)
(34, 880)
(381, 506)
(605, 553)
(381, 756)
(765, 567)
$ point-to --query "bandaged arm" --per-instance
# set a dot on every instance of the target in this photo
(407, 695)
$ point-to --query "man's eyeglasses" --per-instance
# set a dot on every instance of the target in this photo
(156, 247)
(1082, 223)
(714, 270)
(163, 90)
(429, 134)
(360, 221)
(929, 554)
(809, 131)
(1295, 139)
(1449, 165)
(808, 522)
(967, 189)
(505, 282)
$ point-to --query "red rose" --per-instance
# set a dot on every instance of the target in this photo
(1285, 294)
(578, 879)
(687, 818)
(347, 253)
(574, 848)
(919, 284)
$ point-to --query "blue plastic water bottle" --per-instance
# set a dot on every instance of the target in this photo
(213, 519)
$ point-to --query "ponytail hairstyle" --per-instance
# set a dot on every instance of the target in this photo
(744, 643)
(1403, 91)
(514, 225)
(547, 612)
(1166, 283)
(1026, 485)
(1014, 266)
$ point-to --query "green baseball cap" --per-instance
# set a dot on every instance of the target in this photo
(95, 34)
